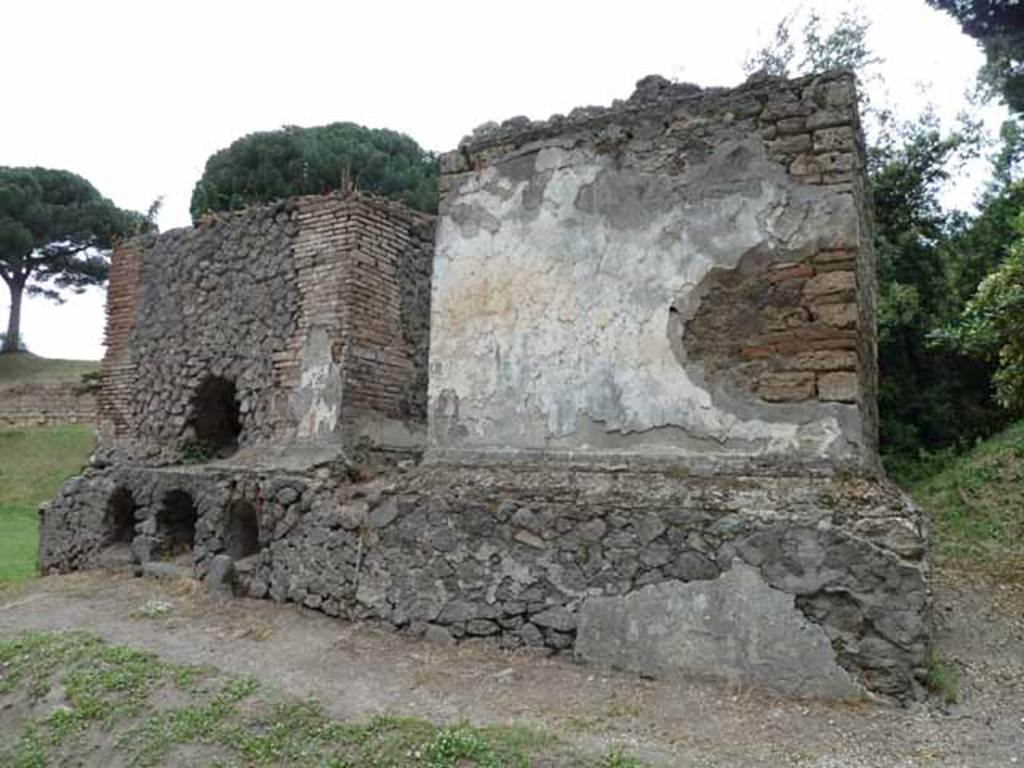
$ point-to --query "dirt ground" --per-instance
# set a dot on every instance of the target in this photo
(360, 670)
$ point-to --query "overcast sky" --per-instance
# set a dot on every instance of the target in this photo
(136, 95)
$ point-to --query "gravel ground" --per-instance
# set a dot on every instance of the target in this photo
(360, 670)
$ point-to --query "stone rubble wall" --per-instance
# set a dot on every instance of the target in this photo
(35, 404)
(692, 268)
(515, 552)
(316, 308)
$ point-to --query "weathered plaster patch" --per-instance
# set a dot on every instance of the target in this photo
(735, 628)
(317, 400)
(558, 316)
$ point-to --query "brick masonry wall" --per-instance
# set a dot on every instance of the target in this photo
(388, 292)
(40, 404)
(118, 372)
(801, 328)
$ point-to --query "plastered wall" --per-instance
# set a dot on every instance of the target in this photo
(681, 274)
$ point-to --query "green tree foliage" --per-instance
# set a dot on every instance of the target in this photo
(992, 324)
(983, 241)
(54, 230)
(843, 46)
(929, 397)
(998, 25)
(300, 161)
(803, 43)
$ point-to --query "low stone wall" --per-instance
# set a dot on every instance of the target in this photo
(830, 566)
(33, 404)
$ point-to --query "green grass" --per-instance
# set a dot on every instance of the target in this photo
(33, 464)
(82, 694)
(943, 679)
(977, 501)
(25, 367)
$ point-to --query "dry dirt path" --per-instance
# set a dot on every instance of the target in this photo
(359, 670)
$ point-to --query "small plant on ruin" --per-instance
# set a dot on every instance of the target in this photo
(197, 451)
(154, 609)
(942, 678)
(90, 383)
(618, 759)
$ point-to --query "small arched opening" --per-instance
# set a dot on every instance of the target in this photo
(242, 535)
(119, 518)
(176, 525)
(215, 418)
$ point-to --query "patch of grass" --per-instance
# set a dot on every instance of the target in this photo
(943, 679)
(33, 464)
(197, 451)
(977, 501)
(95, 681)
(618, 759)
(153, 609)
(25, 367)
(83, 690)
(911, 470)
(29, 752)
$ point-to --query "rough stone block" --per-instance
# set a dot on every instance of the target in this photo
(825, 118)
(438, 634)
(384, 513)
(165, 571)
(826, 360)
(790, 145)
(786, 387)
(830, 282)
(220, 577)
(841, 387)
(735, 628)
(790, 272)
(841, 138)
(842, 315)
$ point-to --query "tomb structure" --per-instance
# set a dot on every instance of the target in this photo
(649, 432)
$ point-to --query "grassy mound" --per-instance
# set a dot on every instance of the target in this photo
(72, 699)
(33, 464)
(977, 502)
(25, 367)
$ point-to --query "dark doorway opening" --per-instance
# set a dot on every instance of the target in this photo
(243, 530)
(119, 518)
(215, 418)
(176, 525)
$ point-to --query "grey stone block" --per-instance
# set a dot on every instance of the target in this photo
(220, 578)
(384, 513)
(735, 628)
(438, 634)
(158, 570)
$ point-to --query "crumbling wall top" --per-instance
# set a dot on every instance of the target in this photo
(802, 97)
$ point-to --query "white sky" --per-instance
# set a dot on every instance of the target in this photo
(135, 96)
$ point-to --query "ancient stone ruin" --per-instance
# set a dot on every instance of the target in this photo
(649, 432)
